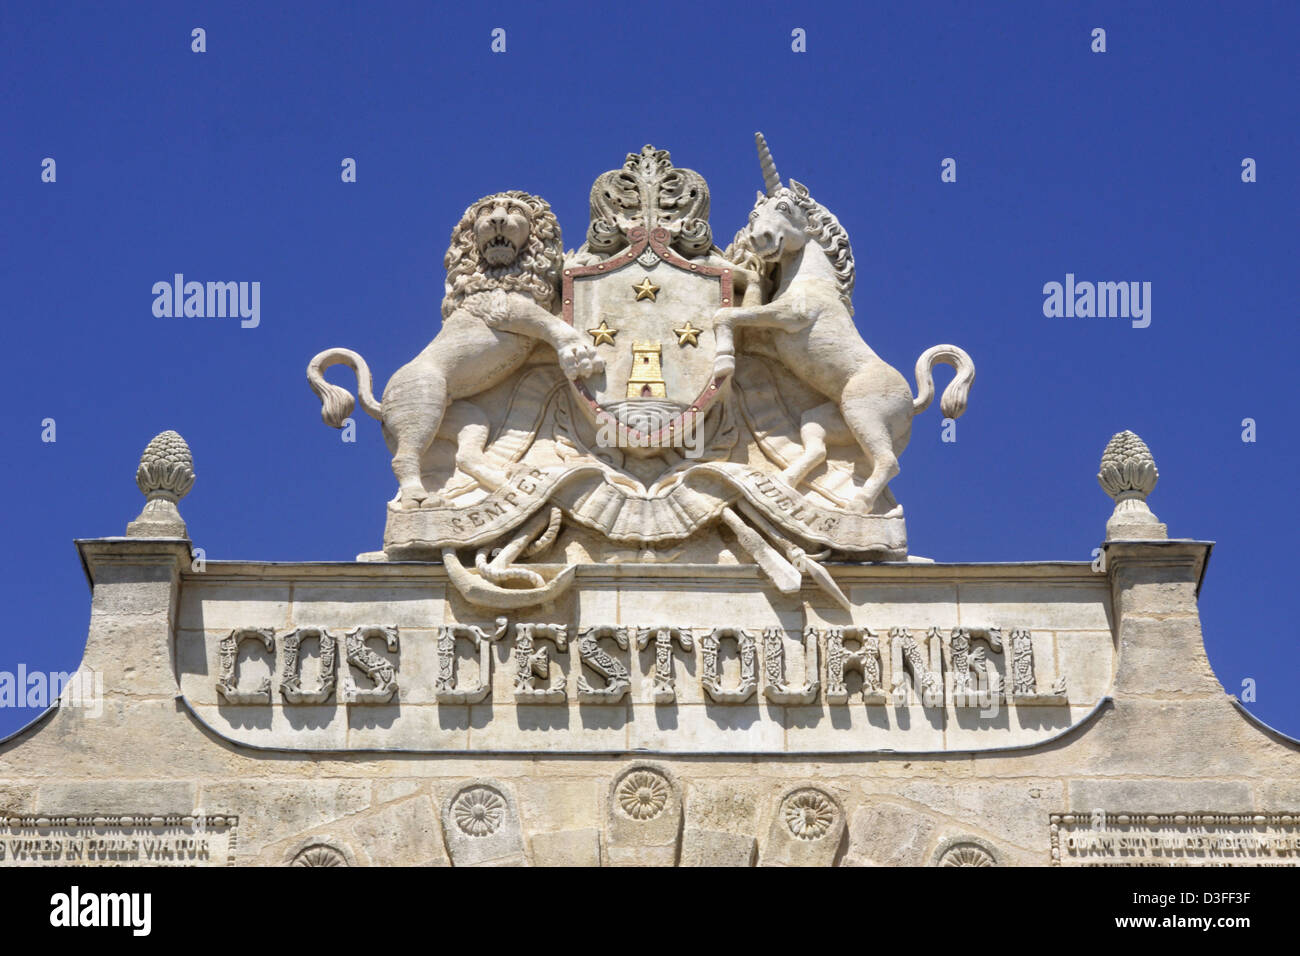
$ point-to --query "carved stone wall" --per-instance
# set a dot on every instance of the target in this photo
(358, 757)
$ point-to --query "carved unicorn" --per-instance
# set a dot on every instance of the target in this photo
(805, 254)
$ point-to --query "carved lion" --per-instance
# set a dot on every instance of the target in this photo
(503, 270)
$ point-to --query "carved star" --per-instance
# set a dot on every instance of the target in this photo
(688, 335)
(603, 335)
(645, 290)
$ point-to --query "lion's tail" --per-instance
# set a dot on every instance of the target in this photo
(336, 402)
(953, 402)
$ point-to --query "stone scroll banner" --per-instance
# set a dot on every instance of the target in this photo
(1176, 839)
(117, 841)
(588, 496)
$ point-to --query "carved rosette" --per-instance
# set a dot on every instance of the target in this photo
(964, 852)
(643, 818)
(643, 794)
(319, 854)
(809, 814)
(806, 828)
(1128, 474)
(480, 826)
(320, 849)
(165, 476)
(479, 811)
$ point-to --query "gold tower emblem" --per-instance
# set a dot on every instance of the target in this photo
(647, 378)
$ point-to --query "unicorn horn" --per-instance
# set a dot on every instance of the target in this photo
(771, 178)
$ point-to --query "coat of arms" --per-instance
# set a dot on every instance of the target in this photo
(650, 314)
(646, 397)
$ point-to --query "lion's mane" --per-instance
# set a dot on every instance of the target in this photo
(535, 272)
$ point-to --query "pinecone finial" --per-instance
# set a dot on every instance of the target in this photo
(1128, 474)
(165, 476)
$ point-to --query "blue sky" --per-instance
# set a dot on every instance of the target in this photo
(1123, 165)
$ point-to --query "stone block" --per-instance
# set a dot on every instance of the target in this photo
(270, 810)
(1164, 658)
(717, 848)
(1048, 606)
(119, 797)
(401, 834)
(567, 848)
(889, 834)
(1159, 796)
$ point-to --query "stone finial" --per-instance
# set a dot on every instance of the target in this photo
(1128, 474)
(165, 476)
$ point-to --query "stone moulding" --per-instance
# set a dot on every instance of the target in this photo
(201, 716)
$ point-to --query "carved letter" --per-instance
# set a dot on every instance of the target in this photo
(445, 686)
(531, 664)
(906, 655)
(380, 670)
(617, 678)
(1023, 683)
(228, 652)
(969, 660)
(291, 670)
(865, 660)
(777, 690)
(664, 691)
(712, 678)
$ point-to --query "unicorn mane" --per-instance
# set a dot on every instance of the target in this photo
(830, 235)
(823, 227)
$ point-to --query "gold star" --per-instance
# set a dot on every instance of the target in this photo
(603, 335)
(645, 290)
(687, 335)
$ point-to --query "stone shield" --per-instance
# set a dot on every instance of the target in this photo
(650, 314)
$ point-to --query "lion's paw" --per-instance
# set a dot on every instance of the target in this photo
(414, 497)
(580, 360)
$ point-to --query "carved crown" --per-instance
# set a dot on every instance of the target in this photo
(650, 191)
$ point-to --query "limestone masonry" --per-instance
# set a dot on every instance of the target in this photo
(644, 598)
